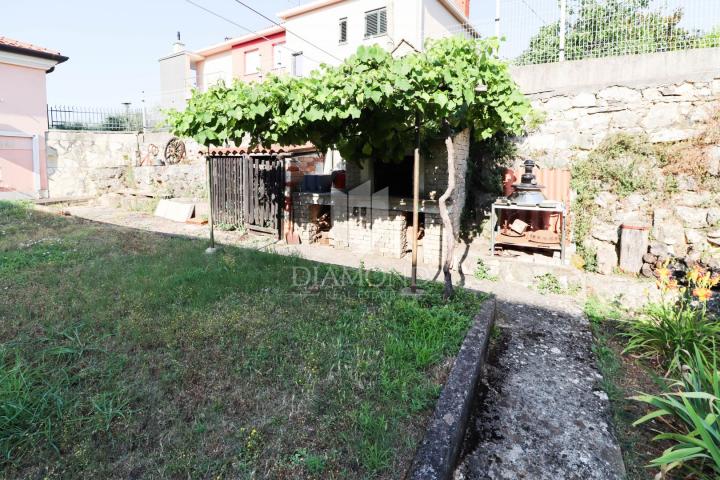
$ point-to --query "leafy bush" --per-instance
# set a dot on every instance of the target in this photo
(678, 323)
(604, 28)
(694, 405)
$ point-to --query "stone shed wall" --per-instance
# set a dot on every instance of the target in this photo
(94, 163)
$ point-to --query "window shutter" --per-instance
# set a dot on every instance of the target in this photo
(371, 24)
(375, 22)
(343, 30)
(382, 21)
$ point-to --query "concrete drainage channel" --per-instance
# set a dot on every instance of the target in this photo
(440, 449)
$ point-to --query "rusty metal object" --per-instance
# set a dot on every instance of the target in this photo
(544, 237)
(174, 151)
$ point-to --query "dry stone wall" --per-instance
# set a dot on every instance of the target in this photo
(662, 103)
(84, 163)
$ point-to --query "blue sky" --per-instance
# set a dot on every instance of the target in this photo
(114, 45)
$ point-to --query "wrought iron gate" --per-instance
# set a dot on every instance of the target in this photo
(248, 191)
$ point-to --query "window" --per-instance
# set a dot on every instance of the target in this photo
(252, 62)
(343, 30)
(375, 22)
(279, 55)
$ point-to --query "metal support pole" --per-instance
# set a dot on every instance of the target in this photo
(563, 20)
(211, 248)
(497, 18)
(416, 204)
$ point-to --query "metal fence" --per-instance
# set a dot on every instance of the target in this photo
(95, 119)
(544, 31)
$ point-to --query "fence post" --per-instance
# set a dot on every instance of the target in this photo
(497, 18)
(563, 14)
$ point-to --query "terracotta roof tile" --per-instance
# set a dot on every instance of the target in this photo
(273, 149)
(42, 51)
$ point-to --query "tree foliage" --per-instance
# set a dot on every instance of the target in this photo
(601, 28)
(365, 107)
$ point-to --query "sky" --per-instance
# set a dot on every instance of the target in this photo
(114, 45)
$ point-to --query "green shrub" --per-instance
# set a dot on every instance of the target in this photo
(694, 406)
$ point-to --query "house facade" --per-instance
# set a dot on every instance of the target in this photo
(248, 58)
(328, 31)
(324, 31)
(23, 117)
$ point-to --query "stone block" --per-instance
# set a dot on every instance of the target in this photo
(605, 232)
(694, 237)
(584, 100)
(661, 116)
(669, 232)
(605, 200)
(617, 94)
(713, 216)
(692, 199)
(557, 104)
(692, 217)
(607, 258)
(713, 160)
(665, 135)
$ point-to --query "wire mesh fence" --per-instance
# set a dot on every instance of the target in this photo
(95, 119)
(544, 31)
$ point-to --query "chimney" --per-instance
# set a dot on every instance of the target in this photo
(178, 46)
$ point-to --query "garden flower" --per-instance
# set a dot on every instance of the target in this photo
(702, 294)
(663, 273)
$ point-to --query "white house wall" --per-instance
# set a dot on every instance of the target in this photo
(217, 67)
(438, 22)
(409, 20)
(321, 27)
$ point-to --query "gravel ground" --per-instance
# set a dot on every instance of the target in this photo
(540, 412)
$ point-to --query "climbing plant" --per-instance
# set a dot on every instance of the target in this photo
(368, 106)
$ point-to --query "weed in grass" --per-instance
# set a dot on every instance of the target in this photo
(610, 365)
(549, 283)
(482, 272)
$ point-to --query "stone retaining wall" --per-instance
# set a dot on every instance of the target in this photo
(669, 97)
(94, 163)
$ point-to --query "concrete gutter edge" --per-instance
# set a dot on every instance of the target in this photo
(437, 455)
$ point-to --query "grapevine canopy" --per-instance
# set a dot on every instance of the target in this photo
(366, 107)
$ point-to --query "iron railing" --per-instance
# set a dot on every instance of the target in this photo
(545, 31)
(94, 119)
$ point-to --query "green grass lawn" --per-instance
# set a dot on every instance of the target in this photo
(125, 354)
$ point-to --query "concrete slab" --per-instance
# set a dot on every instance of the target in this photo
(175, 210)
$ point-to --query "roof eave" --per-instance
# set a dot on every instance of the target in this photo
(56, 57)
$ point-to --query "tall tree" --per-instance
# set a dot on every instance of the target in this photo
(601, 28)
(367, 106)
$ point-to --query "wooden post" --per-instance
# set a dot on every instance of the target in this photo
(633, 245)
(211, 248)
(416, 204)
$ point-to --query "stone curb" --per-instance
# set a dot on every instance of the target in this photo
(438, 453)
